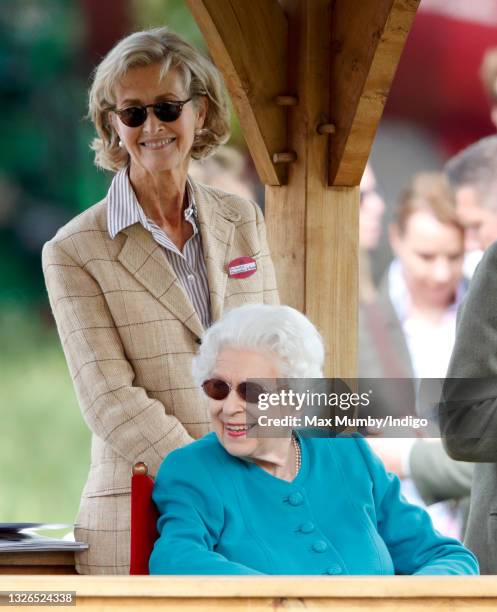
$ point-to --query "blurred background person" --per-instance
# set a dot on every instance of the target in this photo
(488, 75)
(472, 174)
(412, 333)
(225, 170)
(423, 284)
(468, 425)
(371, 211)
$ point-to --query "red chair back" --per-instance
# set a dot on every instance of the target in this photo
(144, 517)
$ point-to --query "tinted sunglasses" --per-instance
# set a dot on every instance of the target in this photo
(218, 389)
(134, 116)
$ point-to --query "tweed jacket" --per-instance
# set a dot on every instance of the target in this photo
(468, 415)
(129, 333)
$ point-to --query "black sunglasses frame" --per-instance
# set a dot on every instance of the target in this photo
(167, 112)
(247, 391)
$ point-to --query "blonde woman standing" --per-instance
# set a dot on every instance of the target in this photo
(136, 279)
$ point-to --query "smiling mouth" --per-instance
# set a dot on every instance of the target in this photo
(157, 144)
(237, 430)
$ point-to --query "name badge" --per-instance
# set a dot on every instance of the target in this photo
(241, 267)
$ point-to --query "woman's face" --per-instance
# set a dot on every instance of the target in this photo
(156, 146)
(229, 416)
(431, 254)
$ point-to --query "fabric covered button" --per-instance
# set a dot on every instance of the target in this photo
(307, 527)
(334, 569)
(295, 499)
(319, 546)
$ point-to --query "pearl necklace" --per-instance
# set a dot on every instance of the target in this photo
(298, 454)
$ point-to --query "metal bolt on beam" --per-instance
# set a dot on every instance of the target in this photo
(284, 158)
(286, 100)
(326, 128)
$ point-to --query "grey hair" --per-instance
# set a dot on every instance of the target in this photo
(476, 167)
(156, 46)
(279, 331)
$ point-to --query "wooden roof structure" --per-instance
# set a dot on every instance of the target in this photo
(309, 80)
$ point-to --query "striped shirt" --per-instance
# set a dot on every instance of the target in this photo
(189, 266)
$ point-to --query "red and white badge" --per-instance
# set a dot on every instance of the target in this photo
(241, 267)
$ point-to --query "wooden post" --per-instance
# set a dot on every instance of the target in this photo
(313, 228)
(326, 66)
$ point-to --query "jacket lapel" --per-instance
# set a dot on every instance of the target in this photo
(217, 227)
(144, 259)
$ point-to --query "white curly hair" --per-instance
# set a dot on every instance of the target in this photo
(280, 331)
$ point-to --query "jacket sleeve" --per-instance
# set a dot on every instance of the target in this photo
(407, 530)
(191, 518)
(436, 476)
(270, 287)
(468, 411)
(118, 412)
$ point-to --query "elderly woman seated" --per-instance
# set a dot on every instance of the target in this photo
(234, 503)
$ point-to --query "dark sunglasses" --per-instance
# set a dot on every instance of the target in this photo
(134, 116)
(218, 389)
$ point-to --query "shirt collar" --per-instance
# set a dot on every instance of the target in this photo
(124, 210)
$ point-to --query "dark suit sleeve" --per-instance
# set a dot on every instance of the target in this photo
(468, 410)
(438, 477)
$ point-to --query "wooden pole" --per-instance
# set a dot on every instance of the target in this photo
(313, 228)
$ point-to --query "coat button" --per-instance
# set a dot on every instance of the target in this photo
(320, 546)
(198, 340)
(307, 527)
(295, 499)
(334, 569)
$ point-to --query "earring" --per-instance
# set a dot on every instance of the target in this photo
(120, 143)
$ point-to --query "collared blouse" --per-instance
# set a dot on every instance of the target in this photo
(123, 210)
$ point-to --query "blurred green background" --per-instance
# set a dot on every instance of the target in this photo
(48, 49)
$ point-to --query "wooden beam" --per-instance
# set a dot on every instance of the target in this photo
(257, 593)
(365, 50)
(248, 43)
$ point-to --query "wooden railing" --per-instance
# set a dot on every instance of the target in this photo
(192, 593)
(37, 563)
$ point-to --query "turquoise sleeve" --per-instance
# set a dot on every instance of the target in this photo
(191, 518)
(414, 545)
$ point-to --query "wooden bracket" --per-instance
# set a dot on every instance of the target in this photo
(248, 42)
(366, 46)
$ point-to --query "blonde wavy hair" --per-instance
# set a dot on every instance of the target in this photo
(161, 46)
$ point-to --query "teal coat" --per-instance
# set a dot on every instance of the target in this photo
(343, 514)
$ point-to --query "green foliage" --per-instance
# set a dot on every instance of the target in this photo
(45, 444)
(47, 170)
(172, 13)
